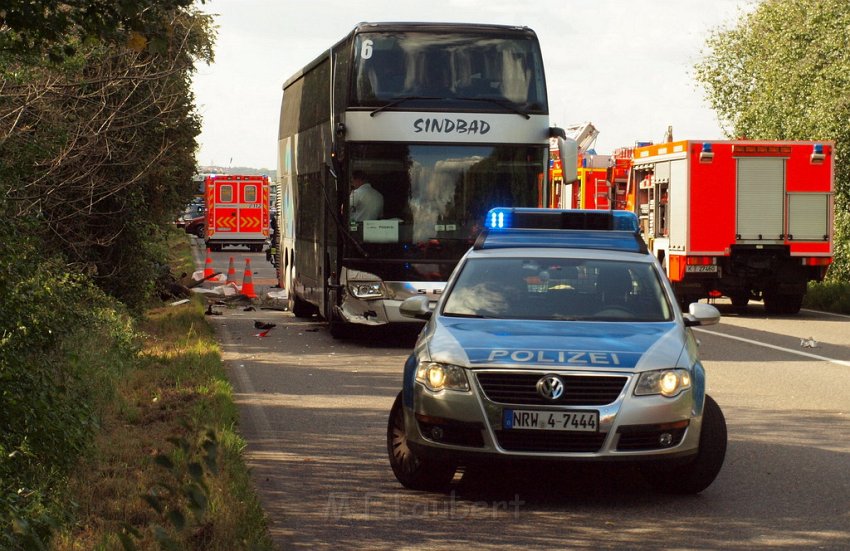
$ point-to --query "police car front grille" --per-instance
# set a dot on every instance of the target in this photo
(550, 441)
(521, 388)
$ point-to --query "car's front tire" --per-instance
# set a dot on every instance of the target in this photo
(413, 470)
(697, 475)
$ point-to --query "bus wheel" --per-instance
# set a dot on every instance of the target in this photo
(301, 308)
(338, 329)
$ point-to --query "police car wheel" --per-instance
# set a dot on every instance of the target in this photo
(698, 474)
(412, 470)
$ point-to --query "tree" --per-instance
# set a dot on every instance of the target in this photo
(783, 73)
(98, 147)
(49, 27)
(97, 140)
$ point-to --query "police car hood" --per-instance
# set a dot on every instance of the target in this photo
(568, 344)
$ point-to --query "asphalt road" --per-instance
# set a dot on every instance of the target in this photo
(314, 411)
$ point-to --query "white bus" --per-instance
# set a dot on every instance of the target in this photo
(445, 120)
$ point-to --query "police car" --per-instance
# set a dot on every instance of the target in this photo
(559, 338)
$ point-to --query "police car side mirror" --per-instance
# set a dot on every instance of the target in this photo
(701, 314)
(416, 307)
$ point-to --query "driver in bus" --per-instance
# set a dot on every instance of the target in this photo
(365, 202)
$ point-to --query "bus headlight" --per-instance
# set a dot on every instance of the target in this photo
(667, 382)
(436, 376)
(368, 289)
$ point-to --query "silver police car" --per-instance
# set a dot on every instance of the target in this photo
(558, 337)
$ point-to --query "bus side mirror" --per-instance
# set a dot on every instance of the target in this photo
(568, 151)
(333, 166)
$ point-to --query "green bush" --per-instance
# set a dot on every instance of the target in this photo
(63, 344)
(829, 296)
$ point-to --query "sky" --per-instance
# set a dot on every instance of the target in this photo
(626, 66)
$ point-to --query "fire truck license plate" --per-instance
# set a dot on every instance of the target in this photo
(576, 421)
(711, 268)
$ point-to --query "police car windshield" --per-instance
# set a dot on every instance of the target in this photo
(542, 288)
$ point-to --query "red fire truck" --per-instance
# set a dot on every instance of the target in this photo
(750, 220)
(237, 211)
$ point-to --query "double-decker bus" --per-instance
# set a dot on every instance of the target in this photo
(445, 120)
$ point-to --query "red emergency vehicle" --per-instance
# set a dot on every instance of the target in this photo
(237, 211)
(750, 220)
(591, 190)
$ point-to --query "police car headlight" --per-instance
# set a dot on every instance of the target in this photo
(667, 382)
(371, 289)
(437, 376)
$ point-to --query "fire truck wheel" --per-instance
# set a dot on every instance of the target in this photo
(685, 302)
(782, 304)
(793, 303)
(739, 302)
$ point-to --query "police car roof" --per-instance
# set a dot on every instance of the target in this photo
(557, 228)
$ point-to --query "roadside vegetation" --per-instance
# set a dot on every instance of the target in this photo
(167, 471)
(125, 434)
(116, 422)
(829, 296)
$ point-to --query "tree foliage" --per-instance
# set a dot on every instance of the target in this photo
(99, 148)
(97, 141)
(52, 28)
(783, 73)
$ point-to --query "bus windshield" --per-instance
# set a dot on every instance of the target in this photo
(435, 197)
(464, 68)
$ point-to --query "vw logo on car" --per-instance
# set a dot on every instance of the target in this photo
(551, 387)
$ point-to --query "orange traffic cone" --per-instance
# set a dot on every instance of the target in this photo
(208, 269)
(231, 273)
(248, 281)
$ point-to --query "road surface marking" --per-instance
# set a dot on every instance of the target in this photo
(774, 347)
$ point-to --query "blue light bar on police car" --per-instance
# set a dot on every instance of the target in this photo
(555, 228)
(560, 219)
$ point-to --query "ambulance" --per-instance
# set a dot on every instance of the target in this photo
(237, 211)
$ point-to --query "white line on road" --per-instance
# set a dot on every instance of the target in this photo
(774, 347)
(825, 313)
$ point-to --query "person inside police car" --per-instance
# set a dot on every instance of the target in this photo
(615, 285)
(365, 202)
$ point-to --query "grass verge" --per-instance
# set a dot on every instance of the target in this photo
(167, 471)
